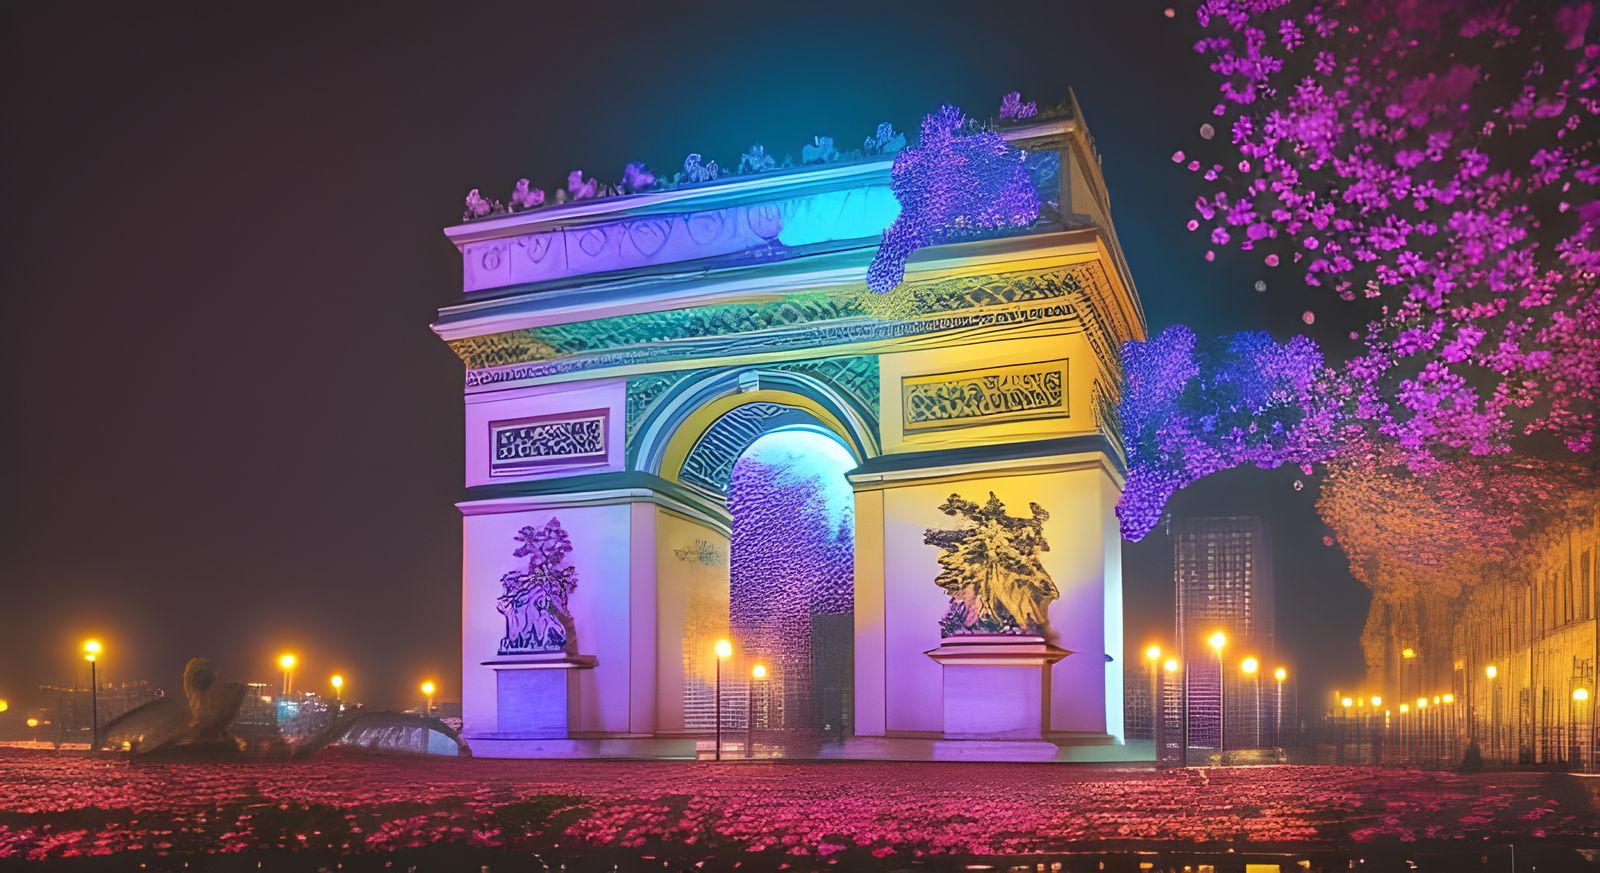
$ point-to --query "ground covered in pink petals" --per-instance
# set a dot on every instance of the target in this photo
(66, 806)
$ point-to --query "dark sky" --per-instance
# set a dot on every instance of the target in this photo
(228, 428)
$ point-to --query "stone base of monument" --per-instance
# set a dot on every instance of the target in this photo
(534, 694)
(997, 686)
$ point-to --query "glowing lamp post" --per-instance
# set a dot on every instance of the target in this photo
(428, 688)
(1490, 672)
(337, 682)
(1218, 641)
(1422, 728)
(1579, 696)
(1372, 733)
(91, 653)
(723, 649)
(758, 673)
(1251, 667)
(286, 663)
(1170, 666)
(1278, 676)
(1152, 659)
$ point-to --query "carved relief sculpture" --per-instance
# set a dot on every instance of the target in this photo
(534, 600)
(1012, 393)
(992, 570)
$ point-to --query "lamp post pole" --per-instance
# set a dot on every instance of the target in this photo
(1278, 676)
(94, 704)
(1218, 640)
(723, 650)
(1157, 715)
(758, 673)
(91, 653)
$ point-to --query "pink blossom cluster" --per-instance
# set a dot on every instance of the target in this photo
(1437, 158)
(63, 807)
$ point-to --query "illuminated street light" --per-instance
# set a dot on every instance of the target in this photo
(1408, 653)
(337, 682)
(1404, 709)
(1449, 698)
(1580, 694)
(287, 662)
(1171, 665)
(724, 649)
(33, 722)
(91, 653)
(1376, 701)
(1250, 666)
(1491, 671)
(757, 673)
(1152, 657)
(4, 705)
(1217, 641)
(1280, 674)
(1348, 702)
(1422, 703)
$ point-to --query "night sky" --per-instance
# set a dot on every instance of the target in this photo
(228, 430)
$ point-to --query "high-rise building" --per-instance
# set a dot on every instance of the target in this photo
(1222, 571)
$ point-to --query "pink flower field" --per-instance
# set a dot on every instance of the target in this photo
(766, 815)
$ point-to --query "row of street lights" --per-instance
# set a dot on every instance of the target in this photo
(724, 650)
(1249, 666)
(287, 662)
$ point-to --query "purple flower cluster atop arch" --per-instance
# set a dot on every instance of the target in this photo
(959, 181)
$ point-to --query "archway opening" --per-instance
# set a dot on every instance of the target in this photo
(792, 579)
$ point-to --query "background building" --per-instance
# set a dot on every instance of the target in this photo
(1222, 572)
(1534, 620)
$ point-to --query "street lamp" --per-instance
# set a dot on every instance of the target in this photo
(91, 653)
(1251, 666)
(1278, 676)
(1492, 671)
(757, 674)
(1152, 657)
(724, 649)
(1579, 695)
(1423, 740)
(337, 682)
(287, 661)
(1218, 641)
(427, 695)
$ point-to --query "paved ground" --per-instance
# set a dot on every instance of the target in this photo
(759, 814)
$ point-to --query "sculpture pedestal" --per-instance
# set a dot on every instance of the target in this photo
(534, 694)
(996, 686)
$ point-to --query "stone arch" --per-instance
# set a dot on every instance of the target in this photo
(695, 433)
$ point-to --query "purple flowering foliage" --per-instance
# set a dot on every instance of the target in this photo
(1436, 157)
(1190, 410)
(1014, 108)
(959, 181)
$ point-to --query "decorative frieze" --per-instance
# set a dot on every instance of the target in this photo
(1021, 391)
(524, 443)
(721, 322)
